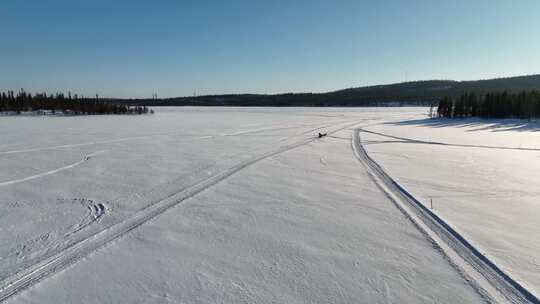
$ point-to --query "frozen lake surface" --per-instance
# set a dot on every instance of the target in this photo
(243, 205)
(483, 178)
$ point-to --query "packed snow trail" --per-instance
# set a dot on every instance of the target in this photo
(75, 164)
(489, 279)
(425, 142)
(82, 248)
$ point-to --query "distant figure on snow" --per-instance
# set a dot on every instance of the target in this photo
(322, 134)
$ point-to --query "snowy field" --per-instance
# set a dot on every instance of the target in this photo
(246, 205)
(483, 178)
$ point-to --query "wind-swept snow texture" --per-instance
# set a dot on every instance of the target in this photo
(83, 247)
(206, 205)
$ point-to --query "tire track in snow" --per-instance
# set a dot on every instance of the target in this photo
(424, 142)
(84, 247)
(73, 165)
(482, 273)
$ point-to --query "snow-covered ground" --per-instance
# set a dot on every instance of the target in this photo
(483, 178)
(206, 205)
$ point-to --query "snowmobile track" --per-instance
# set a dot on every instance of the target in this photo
(486, 277)
(54, 264)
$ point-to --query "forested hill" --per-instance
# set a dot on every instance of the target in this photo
(410, 93)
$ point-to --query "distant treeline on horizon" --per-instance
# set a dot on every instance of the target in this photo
(60, 103)
(486, 95)
(524, 105)
(420, 93)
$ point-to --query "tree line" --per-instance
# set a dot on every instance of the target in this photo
(418, 93)
(60, 103)
(524, 105)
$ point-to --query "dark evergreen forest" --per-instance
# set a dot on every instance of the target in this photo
(524, 105)
(59, 103)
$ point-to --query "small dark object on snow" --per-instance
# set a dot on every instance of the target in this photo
(322, 134)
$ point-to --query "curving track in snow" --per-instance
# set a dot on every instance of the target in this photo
(493, 283)
(84, 247)
(73, 165)
(425, 142)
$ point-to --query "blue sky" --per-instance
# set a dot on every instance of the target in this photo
(134, 48)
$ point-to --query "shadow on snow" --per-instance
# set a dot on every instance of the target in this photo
(476, 124)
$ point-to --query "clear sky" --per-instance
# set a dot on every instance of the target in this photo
(134, 48)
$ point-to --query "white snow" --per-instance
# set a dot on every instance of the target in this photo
(482, 176)
(230, 205)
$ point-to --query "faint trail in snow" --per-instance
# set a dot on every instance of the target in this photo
(490, 281)
(241, 132)
(22, 249)
(252, 131)
(417, 141)
(16, 181)
(315, 129)
(79, 249)
(261, 130)
(72, 145)
(95, 210)
(66, 146)
(337, 137)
